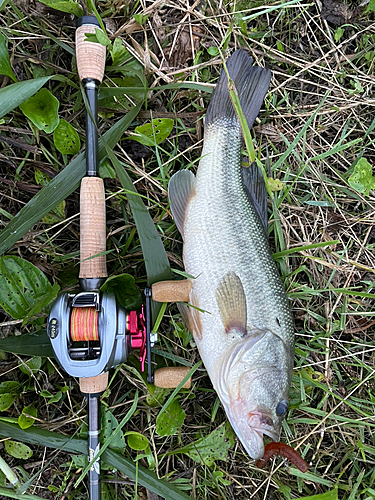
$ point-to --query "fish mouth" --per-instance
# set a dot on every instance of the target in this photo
(252, 429)
(262, 423)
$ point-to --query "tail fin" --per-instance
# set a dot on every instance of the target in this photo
(251, 83)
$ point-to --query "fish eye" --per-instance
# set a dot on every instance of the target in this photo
(282, 407)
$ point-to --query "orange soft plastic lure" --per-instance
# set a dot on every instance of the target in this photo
(284, 450)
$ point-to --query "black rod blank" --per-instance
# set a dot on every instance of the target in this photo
(94, 445)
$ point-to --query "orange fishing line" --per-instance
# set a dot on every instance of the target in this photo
(84, 324)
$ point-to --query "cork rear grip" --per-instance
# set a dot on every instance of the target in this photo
(94, 385)
(171, 291)
(90, 55)
(170, 376)
(92, 228)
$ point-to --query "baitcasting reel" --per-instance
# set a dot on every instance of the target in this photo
(91, 333)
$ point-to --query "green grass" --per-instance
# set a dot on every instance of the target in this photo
(316, 123)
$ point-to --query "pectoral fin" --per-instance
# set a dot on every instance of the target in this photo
(181, 189)
(231, 299)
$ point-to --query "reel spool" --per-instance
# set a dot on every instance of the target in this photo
(90, 333)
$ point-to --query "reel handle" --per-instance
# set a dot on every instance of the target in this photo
(90, 55)
(171, 291)
(92, 228)
(170, 376)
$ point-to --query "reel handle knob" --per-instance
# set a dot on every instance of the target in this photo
(170, 376)
(92, 228)
(171, 291)
(90, 55)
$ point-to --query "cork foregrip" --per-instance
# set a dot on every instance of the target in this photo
(169, 377)
(94, 385)
(92, 227)
(90, 55)
(171, 291)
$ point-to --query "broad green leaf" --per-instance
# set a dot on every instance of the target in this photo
(5, 67)
(213, 51)
(106, 170)
(70, 7)
(52, 398)
(25, 421)
(134, 88)
(51, 218)
(6, 401)
(358, 89)
(98, 37)
(66, 138)
(109, 425)
(10, 386)
(328, 495)
(29, 344)
(125, 290)
(79, 461)
(41, 437)
(17, 450)
(171, 420)
(362, 179)
(24, 289)
(42, 109)
(15, 94)
(370, 7)
(118, 52)
(218, 477)
(140, 18)
(157, 395)
(136, 441)
(274, 184)
(31, 366)
(338, 33)
(153, 133)
(149, 456)
(60, 187)
(213, 447)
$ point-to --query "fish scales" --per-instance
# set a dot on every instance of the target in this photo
(245, 334)
(232, 238)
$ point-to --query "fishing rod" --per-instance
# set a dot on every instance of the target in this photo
(89, 331)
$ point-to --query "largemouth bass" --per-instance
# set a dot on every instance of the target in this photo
(245, 334)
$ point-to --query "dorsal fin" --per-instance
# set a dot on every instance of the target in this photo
(255, 188)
